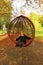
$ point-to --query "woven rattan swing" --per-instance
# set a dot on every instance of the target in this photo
(24, 25)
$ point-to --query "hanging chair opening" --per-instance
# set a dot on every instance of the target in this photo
(21, 31)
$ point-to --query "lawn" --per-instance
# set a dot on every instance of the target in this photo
(3, 32)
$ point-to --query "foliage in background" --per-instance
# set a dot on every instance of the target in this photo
(37, 21)
(5, 13)
(5, 7)
(41, 20)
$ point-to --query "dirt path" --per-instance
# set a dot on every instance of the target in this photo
(5, 41)
(3, 37)
(10, 55)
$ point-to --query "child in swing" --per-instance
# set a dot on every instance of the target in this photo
(22, 39)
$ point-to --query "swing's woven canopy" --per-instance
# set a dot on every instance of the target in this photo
(21, 23)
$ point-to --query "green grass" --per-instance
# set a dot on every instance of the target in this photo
(3, 32)
(39, 33)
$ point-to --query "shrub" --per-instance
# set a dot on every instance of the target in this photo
(1, 25)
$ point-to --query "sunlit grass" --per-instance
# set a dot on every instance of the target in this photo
(3, 32)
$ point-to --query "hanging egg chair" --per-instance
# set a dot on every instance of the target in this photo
(21, 31)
